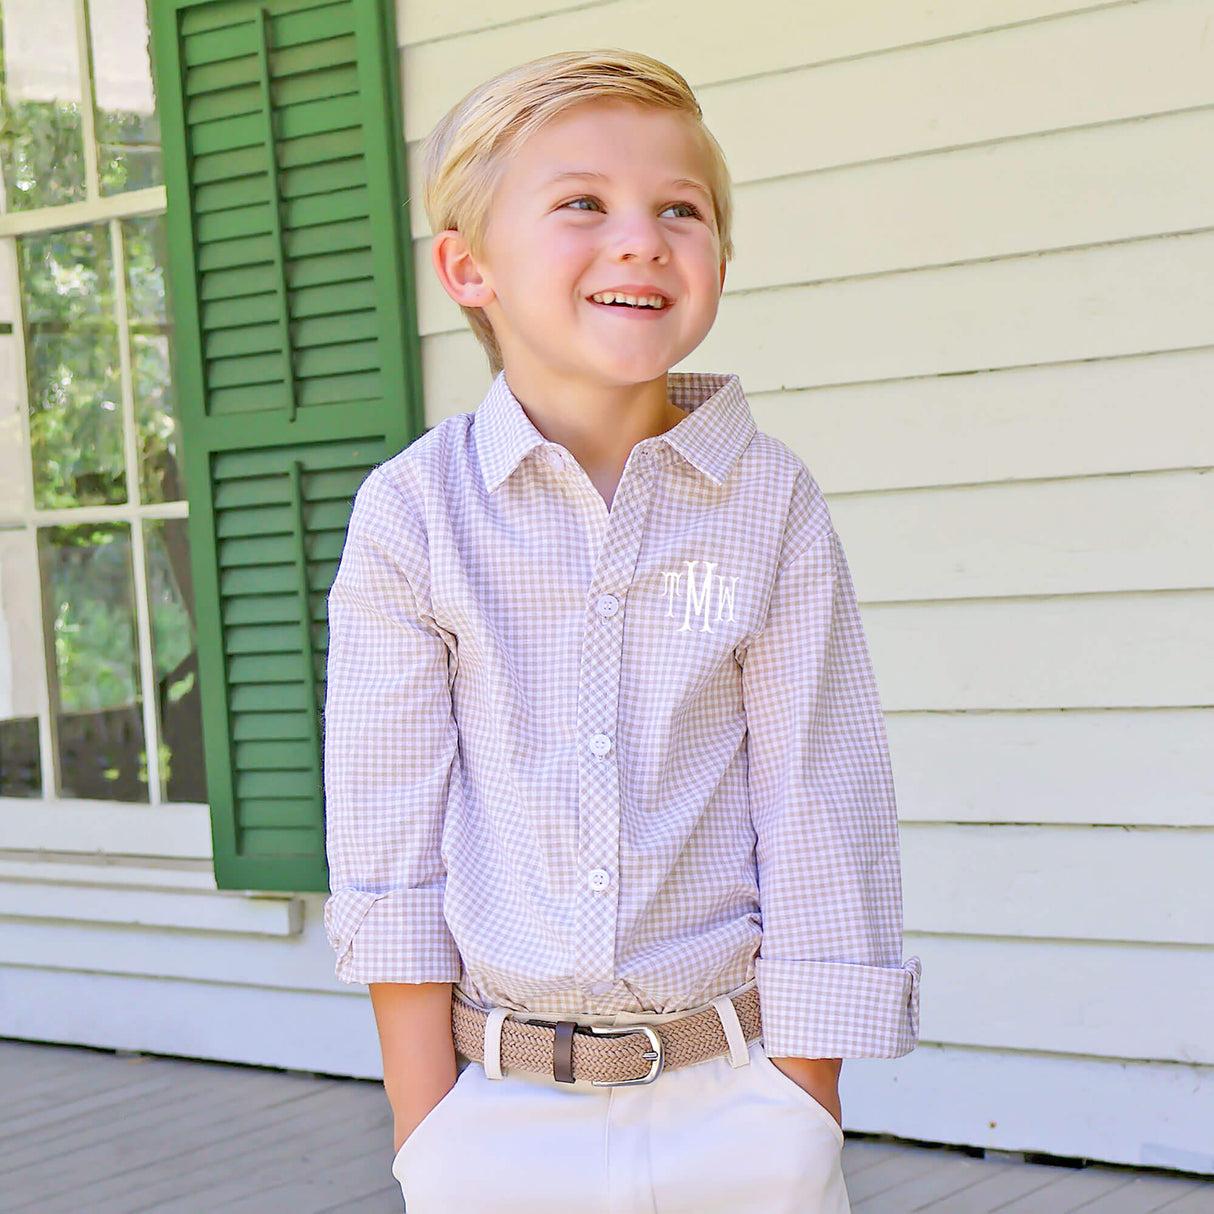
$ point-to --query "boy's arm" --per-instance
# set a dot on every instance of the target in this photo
(831, 978)
(414, 1023)
(391, 751)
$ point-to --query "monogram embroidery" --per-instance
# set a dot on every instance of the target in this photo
(697, 591)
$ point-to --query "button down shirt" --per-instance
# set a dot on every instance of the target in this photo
(590, 759)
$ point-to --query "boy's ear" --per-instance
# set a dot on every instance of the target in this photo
(457, 270)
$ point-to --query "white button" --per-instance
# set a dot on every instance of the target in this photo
(600, 988)
(600, 744)
(555, 458)
(607, 605)
(598, 878)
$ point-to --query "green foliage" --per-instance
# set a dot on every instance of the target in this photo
(89, 573)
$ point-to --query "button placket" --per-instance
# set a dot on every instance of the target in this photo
(598, 701)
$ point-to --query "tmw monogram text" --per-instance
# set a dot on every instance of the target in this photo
(697, 589)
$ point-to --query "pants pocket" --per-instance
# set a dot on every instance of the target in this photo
(421, 1131)
(795, 1092)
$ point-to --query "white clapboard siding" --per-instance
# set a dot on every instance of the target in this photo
(1129, 179)
(323, 1031)
(1105, 766)
(1143, 532)
(1147, 885)
(1094, 651)
(1151, 1114)
(1068, 996)
(781, 33)
(1140, 177)
(425, 22)
(1120, 61)
(1139, 297)
(301, 961)
(103, 828)
(203, 911)
(1070, 419)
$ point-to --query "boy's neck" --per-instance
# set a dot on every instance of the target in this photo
(598, 427)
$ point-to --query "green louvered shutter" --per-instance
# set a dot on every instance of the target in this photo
(297, 368)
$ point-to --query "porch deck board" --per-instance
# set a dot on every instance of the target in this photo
(118, 1133)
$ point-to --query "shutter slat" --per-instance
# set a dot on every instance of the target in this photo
(199, 18)
(249, 339)
(271, 726)
(331, 268)
(329, 330)
(276, 844)
(273, 756)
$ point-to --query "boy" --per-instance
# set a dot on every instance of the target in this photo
(603, 745)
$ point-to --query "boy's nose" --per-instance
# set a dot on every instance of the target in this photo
(643, 240)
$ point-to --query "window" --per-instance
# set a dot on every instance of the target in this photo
(99, 683)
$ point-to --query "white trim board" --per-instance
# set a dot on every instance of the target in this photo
(193, 910)
(105, 828)
(300, 1030)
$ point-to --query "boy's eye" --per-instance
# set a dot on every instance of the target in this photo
(693, 212)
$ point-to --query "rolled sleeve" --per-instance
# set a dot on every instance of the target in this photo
(831, 978)
(390, 751)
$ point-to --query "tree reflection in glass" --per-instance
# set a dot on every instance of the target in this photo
(41, 145)
(128, 134)
(75, 384)
(88, 592)
(161, 471)
(175, 647)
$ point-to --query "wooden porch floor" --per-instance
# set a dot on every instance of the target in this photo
(87, 1131)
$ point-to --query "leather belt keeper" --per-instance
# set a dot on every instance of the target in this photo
(569, 1052)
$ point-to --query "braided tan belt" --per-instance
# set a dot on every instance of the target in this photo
(606, 1055)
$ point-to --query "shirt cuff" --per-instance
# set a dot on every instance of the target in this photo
(834, 1009)
(396, 936)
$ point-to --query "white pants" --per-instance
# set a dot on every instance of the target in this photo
(710, 1137)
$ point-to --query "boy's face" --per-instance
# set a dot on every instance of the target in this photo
(554, 240)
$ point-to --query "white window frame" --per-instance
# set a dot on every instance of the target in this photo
(48, 833)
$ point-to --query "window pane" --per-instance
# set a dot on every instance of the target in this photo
(20, 667)
(13, 459)
(175, 645)
(162, 474)
(41, 146)
(89, 595)
(128, 135)
(75, 384)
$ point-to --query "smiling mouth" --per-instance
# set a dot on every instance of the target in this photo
(651, 304)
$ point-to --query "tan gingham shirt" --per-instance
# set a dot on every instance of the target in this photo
(592, 760)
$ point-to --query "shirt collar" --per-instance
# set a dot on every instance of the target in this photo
(712, 436)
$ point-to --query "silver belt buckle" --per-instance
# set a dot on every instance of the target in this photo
(655, 1056)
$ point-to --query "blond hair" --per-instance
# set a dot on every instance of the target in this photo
(464, 156)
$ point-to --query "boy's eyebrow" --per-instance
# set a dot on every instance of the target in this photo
(677, 182)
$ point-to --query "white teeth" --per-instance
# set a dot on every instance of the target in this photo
(636, 301)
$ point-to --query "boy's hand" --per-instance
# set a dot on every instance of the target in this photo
(819, 1077)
